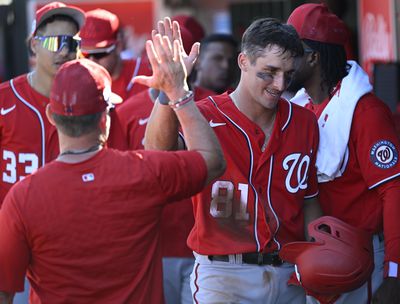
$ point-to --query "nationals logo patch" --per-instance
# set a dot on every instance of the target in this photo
(384, 154)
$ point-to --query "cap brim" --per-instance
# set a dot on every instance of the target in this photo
(98, 47)
(75, 13)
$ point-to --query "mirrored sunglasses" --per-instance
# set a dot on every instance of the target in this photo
(99, 54)
(56, 43)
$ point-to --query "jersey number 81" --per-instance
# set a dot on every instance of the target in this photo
(222, 193)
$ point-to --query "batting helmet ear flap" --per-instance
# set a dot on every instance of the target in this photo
(340, 259)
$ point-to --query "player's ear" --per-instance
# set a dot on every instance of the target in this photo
(49, 114)
(243, 62)
(313, 58)
(32, 45)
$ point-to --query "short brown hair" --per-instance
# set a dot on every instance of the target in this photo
(269, 31)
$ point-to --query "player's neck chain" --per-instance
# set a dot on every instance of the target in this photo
(78, 152)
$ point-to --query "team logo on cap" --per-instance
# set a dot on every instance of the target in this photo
(383, 154)
(107, 93)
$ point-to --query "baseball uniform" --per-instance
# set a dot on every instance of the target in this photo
(122, 85)
(127, 133)
(111, 251)
(368, 190)
(28, 140)
(256, 206)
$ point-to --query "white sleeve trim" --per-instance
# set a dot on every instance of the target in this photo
(311, 196)
(384, 180)
(393, 269)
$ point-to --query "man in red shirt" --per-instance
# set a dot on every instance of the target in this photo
(268, 191)
(86, 226)
(127, 133)
(101, 42)
(357, 160)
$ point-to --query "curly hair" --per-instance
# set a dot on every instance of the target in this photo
(334, 65)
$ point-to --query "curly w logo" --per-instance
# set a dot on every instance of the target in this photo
(297, 168)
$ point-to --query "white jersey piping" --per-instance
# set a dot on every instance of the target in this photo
(38, 115)
(384, 180)
(270, 204)
(250, 173)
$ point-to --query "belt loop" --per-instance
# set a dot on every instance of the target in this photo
(260, 258)
(239, 258)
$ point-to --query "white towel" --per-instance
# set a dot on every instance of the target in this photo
(335, 122)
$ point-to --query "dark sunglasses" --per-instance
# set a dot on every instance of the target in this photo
(99, 54)
(56, 43)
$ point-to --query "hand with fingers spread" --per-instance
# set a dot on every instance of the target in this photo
(172, 31)
(169, 72)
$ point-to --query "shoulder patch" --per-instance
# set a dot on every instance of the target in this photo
(383, 154)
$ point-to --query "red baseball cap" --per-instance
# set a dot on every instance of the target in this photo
(187, 39)
(57, 8)
(192, 25)
(100, 30)
(81, 87)
(315, 22)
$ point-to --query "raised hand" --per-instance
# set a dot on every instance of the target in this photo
(169, 71)
(172, 31)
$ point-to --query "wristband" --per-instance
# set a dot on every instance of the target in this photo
(182, 101)
(163, 98)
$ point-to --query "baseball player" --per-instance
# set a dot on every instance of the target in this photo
(28, 140)
(127, 133)
(268, 190)
(102, 43)
(86, 225)
(216, 68)
(357, 161)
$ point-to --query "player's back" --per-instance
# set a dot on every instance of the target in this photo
(96, 225)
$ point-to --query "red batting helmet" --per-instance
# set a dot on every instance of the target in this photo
(339, 260)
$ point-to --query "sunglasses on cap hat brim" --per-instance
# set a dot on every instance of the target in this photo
(98, 53)
(55, 44)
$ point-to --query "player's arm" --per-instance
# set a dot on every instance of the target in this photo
(165, 137)
(169, 76)
(162, 127)
(6, 298)
(389, 291)
(312, 211)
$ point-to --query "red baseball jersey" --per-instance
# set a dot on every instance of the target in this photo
(28, 140)
(360, 196)
(257, 204)
(127, 133)
(130, 68)
(88, 232)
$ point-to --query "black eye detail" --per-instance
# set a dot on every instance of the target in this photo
(264, 76)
